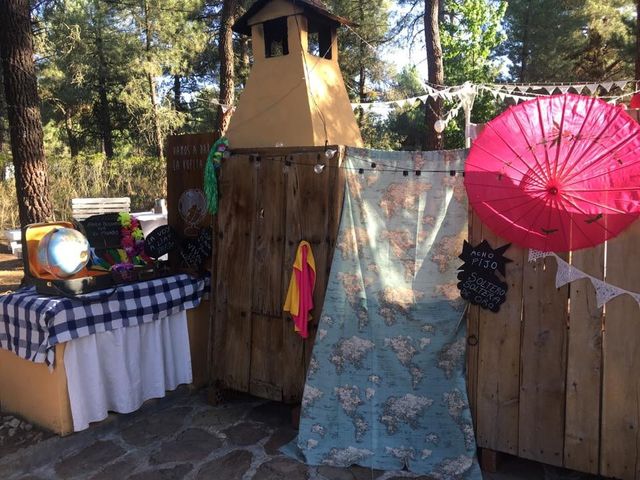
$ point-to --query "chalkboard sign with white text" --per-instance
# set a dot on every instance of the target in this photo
(103, 231)
(195, 251)
(160, 241)
(479, 283)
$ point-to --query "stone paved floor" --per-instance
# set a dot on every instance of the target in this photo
(182, 437)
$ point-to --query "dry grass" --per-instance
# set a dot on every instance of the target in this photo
(10, 273)
(141, 178)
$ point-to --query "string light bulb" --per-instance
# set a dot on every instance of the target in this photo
(439, 125)
(329, 153)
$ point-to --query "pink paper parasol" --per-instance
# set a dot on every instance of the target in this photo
(556, 173)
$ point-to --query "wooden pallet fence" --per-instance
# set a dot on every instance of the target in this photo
(552, 377)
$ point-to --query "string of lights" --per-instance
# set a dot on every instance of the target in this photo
(371, 166)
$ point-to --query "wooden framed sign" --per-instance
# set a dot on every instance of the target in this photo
(186, 203)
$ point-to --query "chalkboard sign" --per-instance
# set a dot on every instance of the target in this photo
(483, 257)
(479, 283)
(103, 231)
(160, 241)
(484, 290)
(195, 251)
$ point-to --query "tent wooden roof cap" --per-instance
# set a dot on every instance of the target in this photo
(312, 7)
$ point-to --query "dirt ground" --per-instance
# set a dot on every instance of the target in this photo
(10, 273)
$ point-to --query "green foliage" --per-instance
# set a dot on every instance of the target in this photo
(129, 49)
(136, 51)
(608, 51)
(569, 40)
(407, 123)
(171, 38)
(470, 34)
(362, 67)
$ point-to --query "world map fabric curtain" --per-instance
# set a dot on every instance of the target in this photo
(385, 387)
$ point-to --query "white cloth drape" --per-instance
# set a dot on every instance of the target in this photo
(120, 369)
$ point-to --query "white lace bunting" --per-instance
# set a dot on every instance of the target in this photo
(568, 273)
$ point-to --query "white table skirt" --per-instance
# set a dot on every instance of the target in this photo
(120, 369)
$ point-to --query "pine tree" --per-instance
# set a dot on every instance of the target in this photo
(435, 75)
(227, 64)
(362, 66)
(164, 35)
(23, 106)
(569, 40)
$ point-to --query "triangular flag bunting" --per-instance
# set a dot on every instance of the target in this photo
(537, 254)
(592, 88)
(567, 273)
(604, 291)
(621, 84)
(606, 86)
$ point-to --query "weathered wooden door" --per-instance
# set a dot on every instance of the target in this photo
(270, 200)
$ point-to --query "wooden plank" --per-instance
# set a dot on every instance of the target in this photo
(79, 202)
(473, 333)
(231, 356)
(198, 325)
(499, 359)
(331, 191)
(269, 231)
(269, 238)
(83, 208)
(307, 219)
(584, 360)
(186, 156)
(543, 364)
(488, 460)
(266, 355)
(621, 352)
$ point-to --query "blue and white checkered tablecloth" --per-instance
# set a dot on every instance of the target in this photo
(32, 324)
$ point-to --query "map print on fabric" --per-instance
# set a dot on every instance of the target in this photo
(385, 387)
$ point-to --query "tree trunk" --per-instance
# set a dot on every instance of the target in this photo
(435, 76)
(71, 136)
(177, 93)
(157, 133)
(362, 75)
(3, 120)
(104, 109)
(227, 73)
(637, 40)
(245, 66)
(524, 54)
(23, 108)
(3, 129)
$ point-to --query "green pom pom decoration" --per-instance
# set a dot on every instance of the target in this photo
(210, 177)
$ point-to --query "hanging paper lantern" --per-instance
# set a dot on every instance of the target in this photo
(439, 126)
